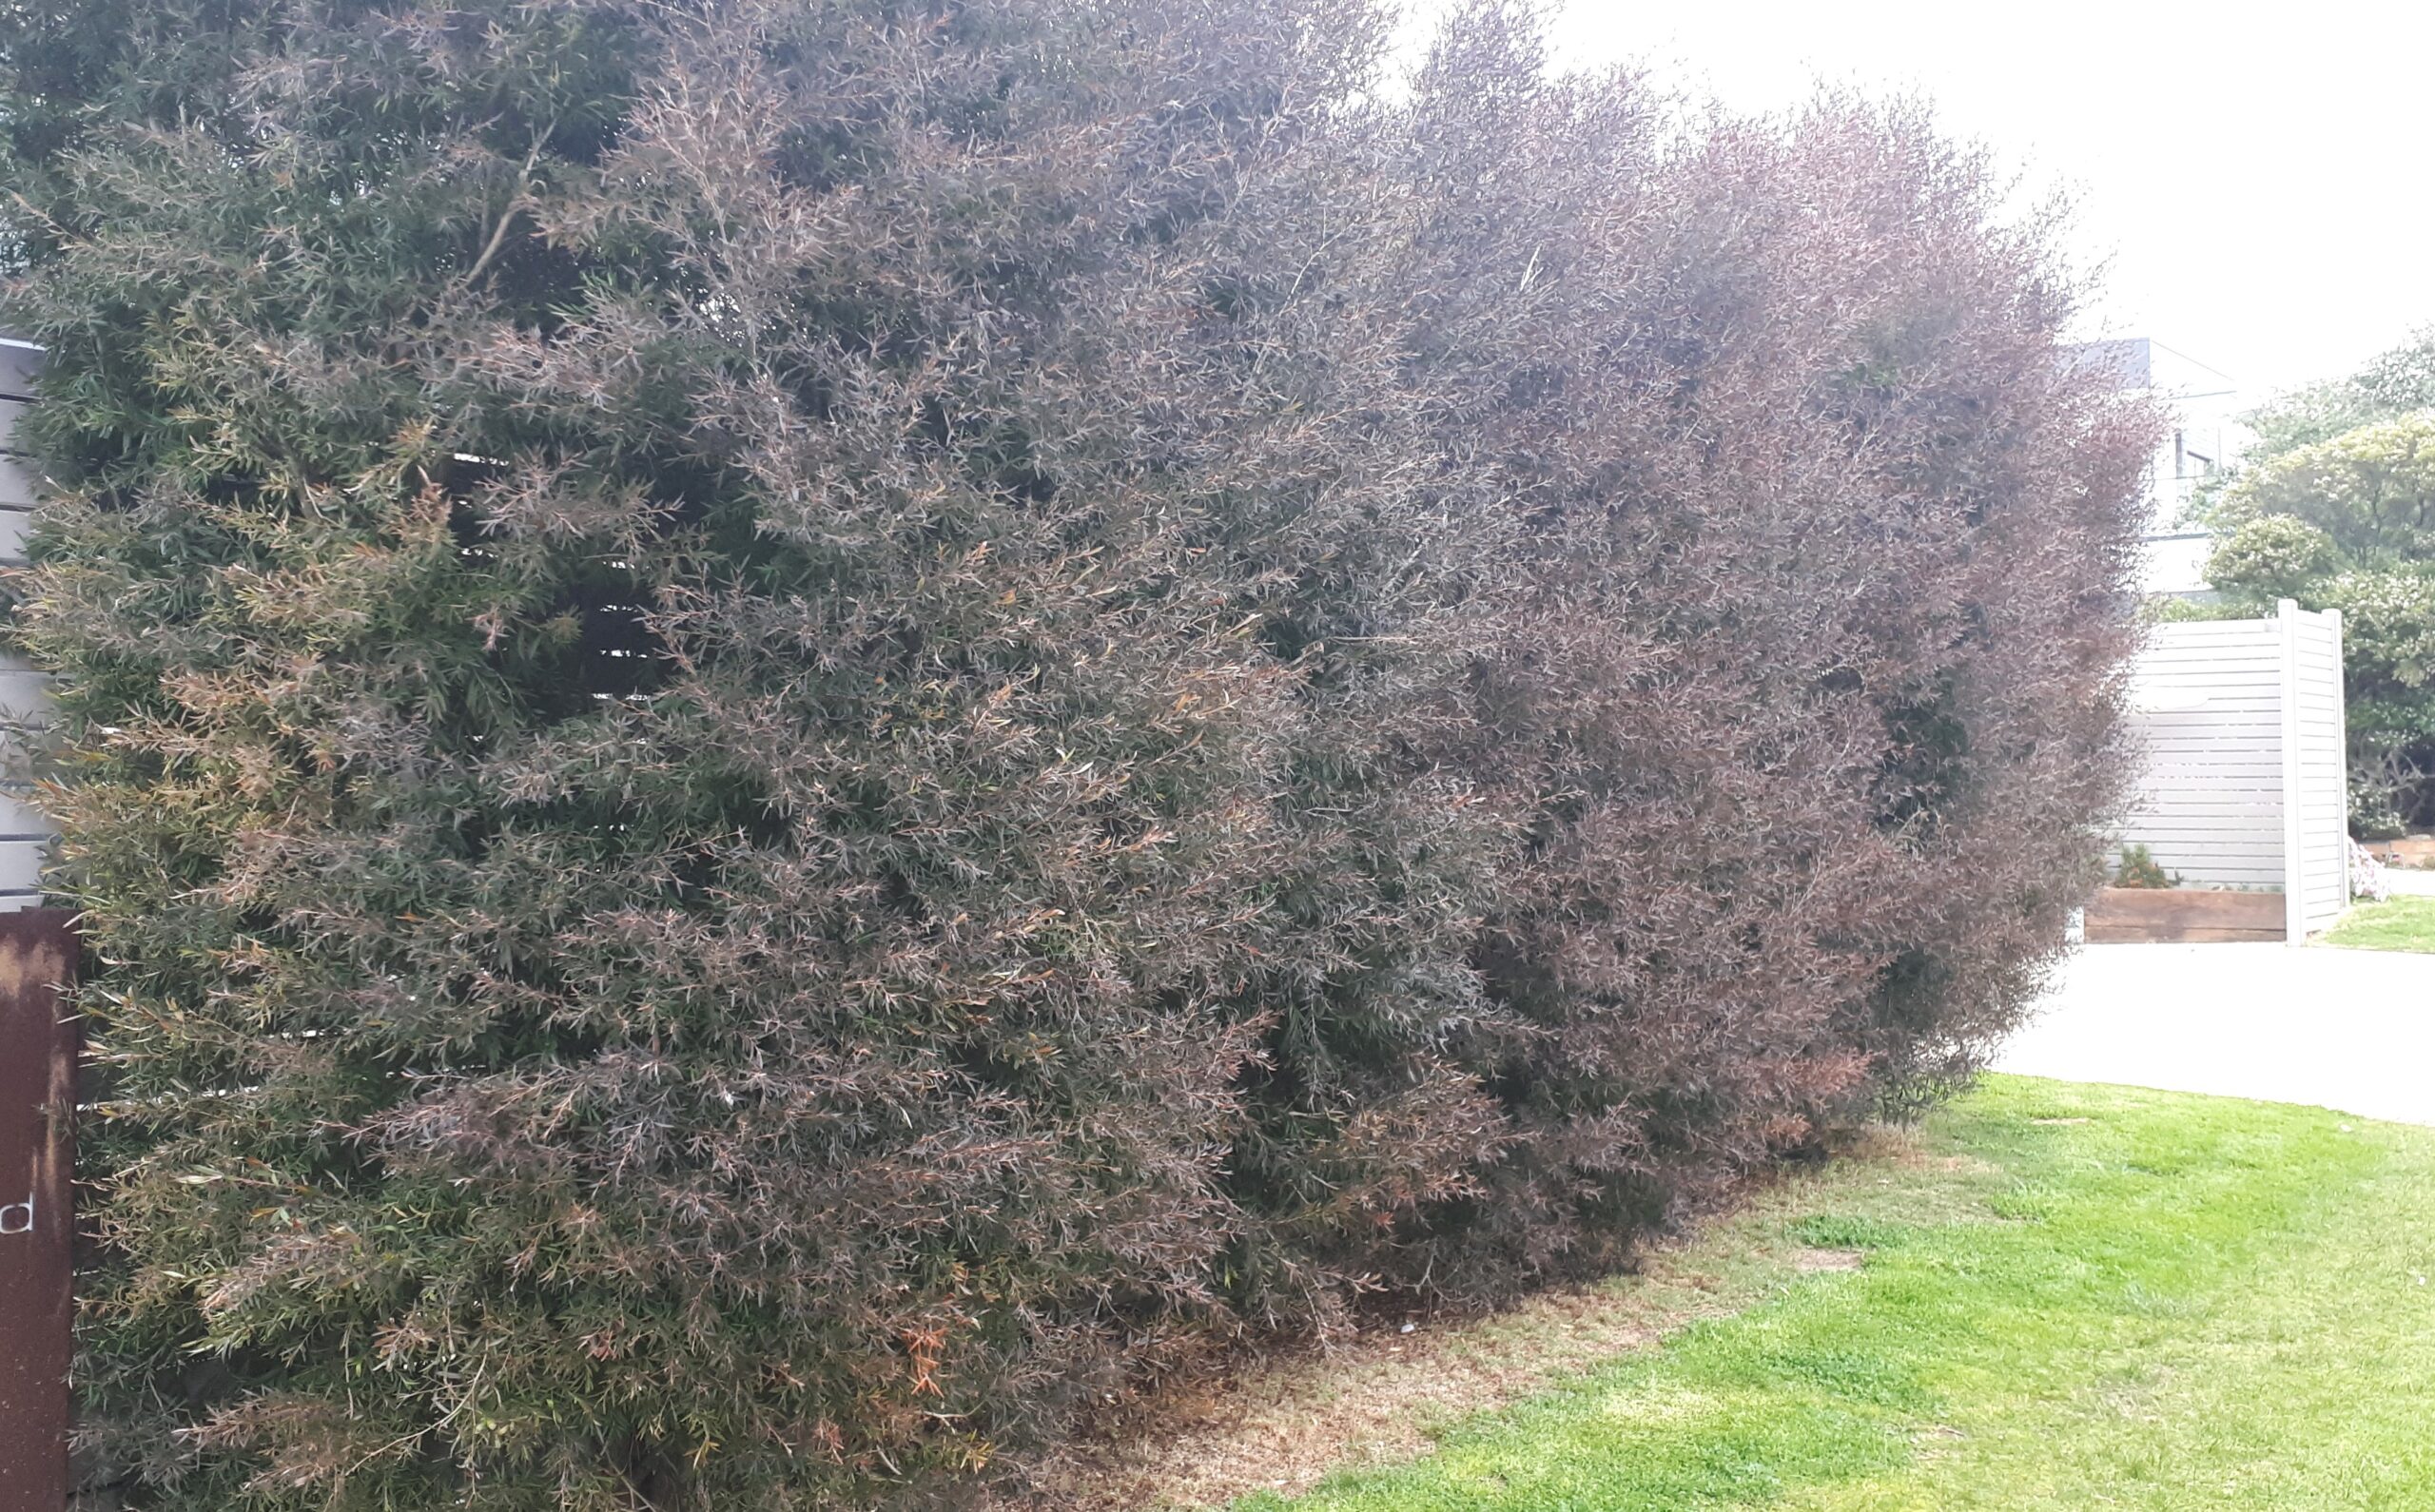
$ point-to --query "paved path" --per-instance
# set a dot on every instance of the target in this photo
(2347, 1029)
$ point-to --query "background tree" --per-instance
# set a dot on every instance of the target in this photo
(2391, 385)
(2335, 508)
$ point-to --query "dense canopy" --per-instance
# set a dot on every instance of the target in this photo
(2334, 506)
(793, 732)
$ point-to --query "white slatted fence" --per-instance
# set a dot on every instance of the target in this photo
(2243, 781)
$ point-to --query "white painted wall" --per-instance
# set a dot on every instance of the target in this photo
(2243, 780)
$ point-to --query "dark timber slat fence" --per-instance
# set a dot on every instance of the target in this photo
(37, 1227)
(38, 1050)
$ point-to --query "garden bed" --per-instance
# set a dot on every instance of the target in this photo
(2122, 916)
(2412, 852)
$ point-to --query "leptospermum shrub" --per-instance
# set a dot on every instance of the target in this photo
(794, 733)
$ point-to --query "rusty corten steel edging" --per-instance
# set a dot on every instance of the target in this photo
(38, 1050)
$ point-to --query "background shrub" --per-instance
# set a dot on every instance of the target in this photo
(2334, 506)
(789, 732)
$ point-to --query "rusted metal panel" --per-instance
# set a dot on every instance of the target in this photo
(38, 1048)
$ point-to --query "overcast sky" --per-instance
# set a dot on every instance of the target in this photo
(2260, 182)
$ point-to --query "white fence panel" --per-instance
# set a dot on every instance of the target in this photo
(2244, 773)
(2206, 702)
(2317, 783)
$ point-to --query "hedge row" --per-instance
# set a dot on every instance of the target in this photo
(790, 732)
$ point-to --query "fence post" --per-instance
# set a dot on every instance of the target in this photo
(2341, 744)
(2295, 906)
(38, 1050)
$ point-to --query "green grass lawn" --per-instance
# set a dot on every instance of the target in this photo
(2397, 924)
(2080, 1298)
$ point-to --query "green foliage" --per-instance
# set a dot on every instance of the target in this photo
(2270, 558)
(2388, 657)
(2352, 462)
(2137, 867)
(2163, 610)
(2393, 384)
(2370, 491)
(791, 733)
(2387, 625)
(2349, 523)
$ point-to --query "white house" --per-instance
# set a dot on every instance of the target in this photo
(2205, 438)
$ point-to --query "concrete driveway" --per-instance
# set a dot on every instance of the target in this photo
(2347, 1029)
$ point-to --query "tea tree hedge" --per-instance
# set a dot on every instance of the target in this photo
(1800, 694)
(794, 733)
